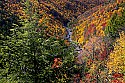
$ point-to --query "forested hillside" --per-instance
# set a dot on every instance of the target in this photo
(62, 41)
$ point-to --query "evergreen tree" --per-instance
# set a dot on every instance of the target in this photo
(28, 56)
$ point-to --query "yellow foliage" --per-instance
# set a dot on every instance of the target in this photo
(81, 39)
(93, 68)
(99, 18)
(116, 60)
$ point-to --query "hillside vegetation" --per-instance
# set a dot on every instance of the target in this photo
(62, 41)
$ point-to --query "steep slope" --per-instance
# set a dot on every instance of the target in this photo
(103, 58)
(94, 46)
(95, 23)
(57, 12)
(70, 9)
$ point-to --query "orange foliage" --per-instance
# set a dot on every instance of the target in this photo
(57, 63)
(96, 22)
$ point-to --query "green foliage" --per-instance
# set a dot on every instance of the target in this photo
(27, 55)
(116, 24)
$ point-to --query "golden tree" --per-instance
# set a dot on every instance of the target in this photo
(116, 61)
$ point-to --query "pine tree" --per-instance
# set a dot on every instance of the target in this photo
(28, 56)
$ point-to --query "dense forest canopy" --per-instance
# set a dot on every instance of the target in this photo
(62, 41)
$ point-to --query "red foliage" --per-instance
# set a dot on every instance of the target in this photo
(103, 54)
(117, 78)
(104, 24)
(116, 81)
(89, 62)
(88, 75)
(117, 75)
(93, 25)
(56, 62)
(90, 31)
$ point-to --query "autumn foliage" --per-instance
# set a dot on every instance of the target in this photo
(34, 47)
